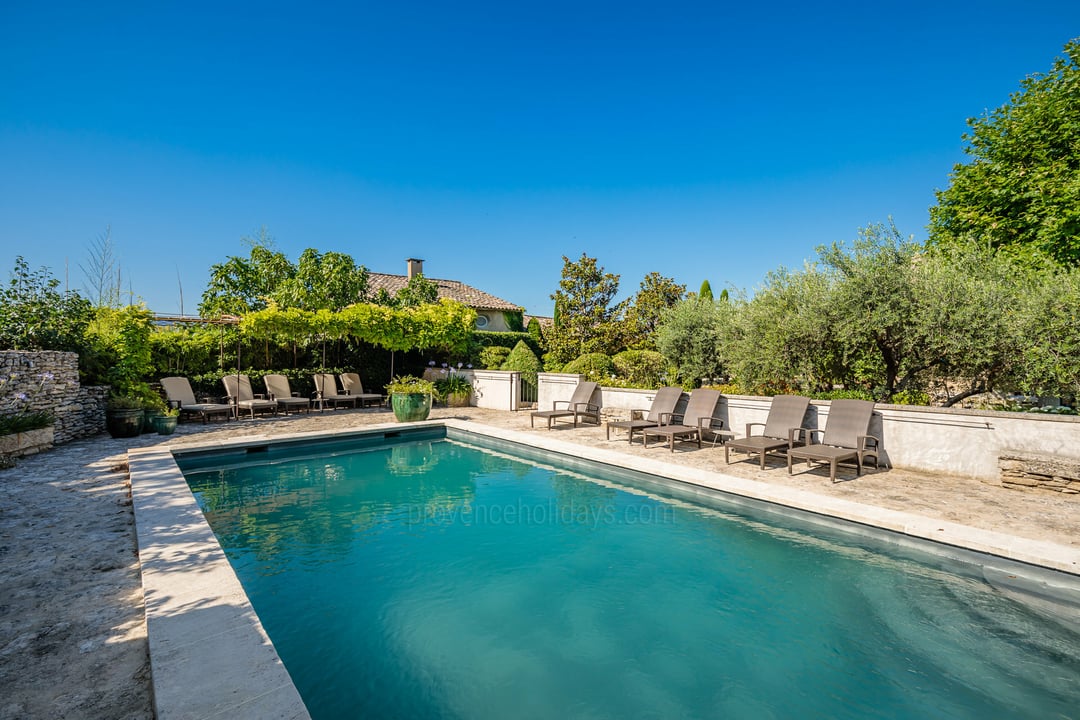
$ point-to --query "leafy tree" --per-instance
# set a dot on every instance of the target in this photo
(657, 295)
(34, 315)
(1022, 188)
(242, 285)
(1051, 351)
(689, 336)
(705, 293)
(533, 328)
(724, 295)
(586, 317)
(418, 291)
(783, 339)
(876, 306)
(323, 281)
(971, 325)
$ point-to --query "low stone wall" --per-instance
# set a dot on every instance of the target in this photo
(48, 381)
(1045, 472)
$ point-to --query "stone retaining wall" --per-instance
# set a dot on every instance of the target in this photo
(48, 381)
(1046, 472)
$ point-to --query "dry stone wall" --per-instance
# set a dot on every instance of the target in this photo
(1029, 470)
(48, 381)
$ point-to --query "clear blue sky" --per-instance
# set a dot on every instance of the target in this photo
(699, 140)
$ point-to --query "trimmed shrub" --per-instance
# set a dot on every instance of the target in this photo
(640, 368)
(492, 358)
(597, 367)
(524, 360)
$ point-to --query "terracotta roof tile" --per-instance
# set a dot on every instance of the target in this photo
(453, 289)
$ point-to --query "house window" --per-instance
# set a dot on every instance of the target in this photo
(481, 321)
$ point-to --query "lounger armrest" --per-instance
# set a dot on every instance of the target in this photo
(810, 435)
(706, 423)
(666, 418)
(174, 403)
(867, 442)
(751, 425)
(588, 407)
(555, 405)
(799, 434)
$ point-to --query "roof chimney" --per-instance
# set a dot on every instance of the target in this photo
(416, 267)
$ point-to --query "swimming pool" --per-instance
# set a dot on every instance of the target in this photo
(441, 578)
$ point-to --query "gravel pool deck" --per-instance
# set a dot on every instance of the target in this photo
(72, 633)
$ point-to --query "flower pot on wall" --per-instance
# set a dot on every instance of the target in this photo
(123, 422)
(410, 407)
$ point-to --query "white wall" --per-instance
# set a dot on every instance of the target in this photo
(945, 440)
(496, 389)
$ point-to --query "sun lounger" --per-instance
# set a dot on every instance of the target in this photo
(783, 428)
(354, 388)
(178, 391)
(846, 437)
(277, 386)
(326, 391)
(697, 419)
(238, 388)
(663, 403)
(578, 407)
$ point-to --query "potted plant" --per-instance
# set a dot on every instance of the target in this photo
(454, 390)
(410, 397)
(24, 433)
(165, 424)
(153, 408)
(124, 416)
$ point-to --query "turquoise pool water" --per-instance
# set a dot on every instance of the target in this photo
(434, 579)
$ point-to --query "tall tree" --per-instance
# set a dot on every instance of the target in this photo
(418, 291)
(1022, 188)
(323, 281)
(241, 285)
(705, 293)
(586, 316)
(656, 295)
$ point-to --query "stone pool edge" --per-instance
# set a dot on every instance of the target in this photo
(211, 657)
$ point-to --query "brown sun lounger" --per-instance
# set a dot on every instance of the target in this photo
(783, 428)
(326, 392)
(277, 386)
(846, 437)
(663, 403)
(697, 419)
(238, 388)
(579, 407)
(354, 388)
(178, 391)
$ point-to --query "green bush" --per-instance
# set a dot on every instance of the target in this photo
(640, 368)
(910, 397)
(492, 358)
(597, 367)
(522, 359)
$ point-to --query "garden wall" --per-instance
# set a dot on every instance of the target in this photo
(48, 381)
(934, 440)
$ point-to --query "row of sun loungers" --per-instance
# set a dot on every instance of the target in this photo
(844, 438)
(279, 395)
